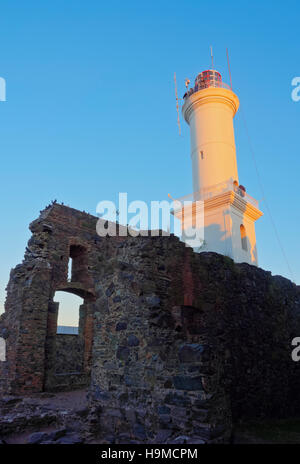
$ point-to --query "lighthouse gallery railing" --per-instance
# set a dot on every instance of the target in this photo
(218, 189)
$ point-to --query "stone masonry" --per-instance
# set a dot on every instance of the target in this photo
(170, 342)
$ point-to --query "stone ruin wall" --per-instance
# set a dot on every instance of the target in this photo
(172, 342)
(69, 353)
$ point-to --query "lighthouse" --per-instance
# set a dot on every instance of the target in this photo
(228, 211)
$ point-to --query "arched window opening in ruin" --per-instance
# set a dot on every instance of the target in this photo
(78, 264)
(67, 349)
(243, 237)
(68, 320)
(2, 349)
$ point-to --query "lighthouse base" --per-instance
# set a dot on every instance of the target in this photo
(227, 226)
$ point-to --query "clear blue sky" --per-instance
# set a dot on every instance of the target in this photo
(90, 107)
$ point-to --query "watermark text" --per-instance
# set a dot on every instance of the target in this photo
(296, 90)
(2, 89)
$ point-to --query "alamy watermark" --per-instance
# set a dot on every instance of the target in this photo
(184, 218)
(2, 89)
(296, 90)
(296, 351)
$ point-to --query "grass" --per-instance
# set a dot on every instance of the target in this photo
(284, 431)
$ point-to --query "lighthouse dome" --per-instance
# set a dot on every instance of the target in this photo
(208, 78)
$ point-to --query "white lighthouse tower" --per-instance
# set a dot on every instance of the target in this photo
(229, 212)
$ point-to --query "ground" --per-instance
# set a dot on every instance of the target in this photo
(58, 418)
(285, 431)
(63, 418)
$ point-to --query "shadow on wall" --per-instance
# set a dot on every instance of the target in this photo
(217, 240)
(233, 240)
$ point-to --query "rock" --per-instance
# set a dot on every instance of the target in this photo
(83, 412)
(195, 441)
(139, 431)
(187, 383)
(182, 439)
(153, 301)
(109, 439)
(162, 436)
(123, 353)
(47, 395)
(204, 433)
(4, 333)
(70, 439)
(57, 434)
(110, 290)
(121, 326)
(177, 400)
(10, 400)
(163, 410)
(130, 415)
(168, 384)
(165, 420)
(37, 437)
(126, 275)
(133, 340)
(98, 394)
(189, 353)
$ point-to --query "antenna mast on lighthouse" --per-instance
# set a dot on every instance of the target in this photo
(229, 68)
(177, 104)
(212, 57)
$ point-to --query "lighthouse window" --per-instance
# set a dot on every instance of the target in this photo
(243, 237)
(202, 154)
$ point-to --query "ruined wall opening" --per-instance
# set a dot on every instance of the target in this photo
(69, 343)
(2, 349)
(68, 346)
(68, 312)
(78, 264)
